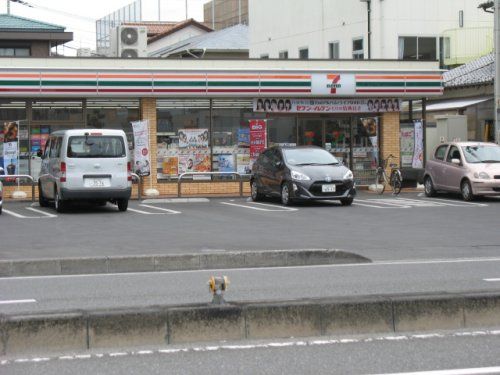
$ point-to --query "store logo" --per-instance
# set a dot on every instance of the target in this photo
(334, 85)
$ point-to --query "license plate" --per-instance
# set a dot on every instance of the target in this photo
(328, 188)
(95, 182)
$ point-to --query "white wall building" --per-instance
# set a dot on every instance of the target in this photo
(455, 30)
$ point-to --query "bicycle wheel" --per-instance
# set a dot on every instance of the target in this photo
(396, 182)
(379, 181)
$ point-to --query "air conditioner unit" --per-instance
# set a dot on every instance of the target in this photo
(129, 41)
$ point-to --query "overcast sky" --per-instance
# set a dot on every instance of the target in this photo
(79, 16)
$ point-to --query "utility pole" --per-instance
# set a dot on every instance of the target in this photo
(497, 71)
(8, 7)
(159, 17)
(213, 14)
(186, 9)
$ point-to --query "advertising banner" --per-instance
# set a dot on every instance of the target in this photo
(194, 153)
(327, 105)
(418, 154)
(258, 139)
(194, 162)
(407, 144)
(10, 153)
(142, 161)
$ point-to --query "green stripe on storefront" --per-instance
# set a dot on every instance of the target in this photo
(126, 83)
(287, 84)
(19, 83)
(233, 84)
(69, 83)
(423, 84)
(180, 83)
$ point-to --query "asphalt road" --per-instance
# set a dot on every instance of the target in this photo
(58, 293)
(378, 227)
(355, 355)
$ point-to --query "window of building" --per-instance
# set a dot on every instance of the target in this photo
(358, 49)
(283, 55)
(303, 53)
(15, 51)
(417, 48)
(264, 56)
(282, 130)
(333, 50)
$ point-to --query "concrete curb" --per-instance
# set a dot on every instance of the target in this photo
(163, 325)
(177, 262)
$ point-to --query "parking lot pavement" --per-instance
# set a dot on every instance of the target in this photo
(376, 226)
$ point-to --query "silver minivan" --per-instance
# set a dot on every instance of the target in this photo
(85, 165)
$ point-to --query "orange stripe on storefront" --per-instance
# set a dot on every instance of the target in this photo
(92, 76)
(142, 76)
(20, 75)
(284, 77)
(180, 76)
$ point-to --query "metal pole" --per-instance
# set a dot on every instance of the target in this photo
(497, 71)
(239, 12)
(8, 7)
(369, 5)
(159, 17)
(424, 127)
(186, 9)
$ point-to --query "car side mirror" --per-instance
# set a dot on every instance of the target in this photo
(456, 161)
(39, 153)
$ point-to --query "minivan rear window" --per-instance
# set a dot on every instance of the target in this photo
(96, 147)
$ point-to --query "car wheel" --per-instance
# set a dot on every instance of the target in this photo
(41, 199)
(429, 187)
(256, 196)
(466, 190)
(59, 204)
(0, 210)
(346, 201)
(122, 204)
(285, 194)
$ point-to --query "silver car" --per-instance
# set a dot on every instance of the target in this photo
(469, 168)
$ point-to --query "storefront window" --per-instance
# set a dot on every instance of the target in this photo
(113, 114)
(338, 139)
(311, 132)
(183, 137)
(14, 140)
(282, 131)
(68, 111)
(365, 149)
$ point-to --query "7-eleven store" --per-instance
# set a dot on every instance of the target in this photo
(199, 111)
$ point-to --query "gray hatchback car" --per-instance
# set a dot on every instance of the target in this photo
(469, 168)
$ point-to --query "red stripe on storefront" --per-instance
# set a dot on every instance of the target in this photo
(69, 90)
(233, 90)
(19, 90)
(424, 90)
(179, 90)
(287, 90)
(379, 90)
(125, 90)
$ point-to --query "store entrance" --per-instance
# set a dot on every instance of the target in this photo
(353, 140)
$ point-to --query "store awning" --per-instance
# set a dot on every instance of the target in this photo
(456, 104)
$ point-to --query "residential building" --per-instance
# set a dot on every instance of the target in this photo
(24, 37)
(180, 32)
(228, 43)
(220, 14)
(453, 31)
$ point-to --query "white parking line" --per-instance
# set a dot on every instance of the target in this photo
(145, 212)
(16, 301)
(382, 202)
(462, 202)
(370, 205)
(160, 208)
(463, 371)
(18, 215)
(40, 212)
(492, 280)
(272, 205)
(281, 209)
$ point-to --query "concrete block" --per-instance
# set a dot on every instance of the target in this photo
(37, 267)
(428, 313)
(207, 323)
(84, 266)
(342, 257)
(283, 320)
(127, 328)
(5, 268)
(482, 311)
(177, 262)
(222, 260)
(265, 259)
(368, 316)
(310, 257)
(44, 334)
(131, 264)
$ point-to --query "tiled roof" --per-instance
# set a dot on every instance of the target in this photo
(180, 26)
(8, 22)
(154, 27)
(233, 38)
(476, 72)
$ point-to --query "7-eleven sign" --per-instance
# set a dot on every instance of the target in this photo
(333, 84)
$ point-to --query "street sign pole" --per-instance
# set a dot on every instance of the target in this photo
(497, 71)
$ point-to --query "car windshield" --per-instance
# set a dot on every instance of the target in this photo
(309, 156)
(96, 147)
(482, 154)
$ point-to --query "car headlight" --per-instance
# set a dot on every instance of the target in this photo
(348, 175)
(482, 175)
(298, 176)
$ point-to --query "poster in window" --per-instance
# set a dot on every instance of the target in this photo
(258, 139)
(194, 162)
(10, 152)
(226, 163)
(170, 165)
(193, 138)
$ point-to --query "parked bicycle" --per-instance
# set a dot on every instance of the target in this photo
(395, 179)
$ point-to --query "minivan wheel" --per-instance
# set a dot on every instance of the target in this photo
(285, 194)
(59, 204)
(122, 204)
(429, 187)
(346, 201)
(256, 196)
(466, 190)
(41, 199)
